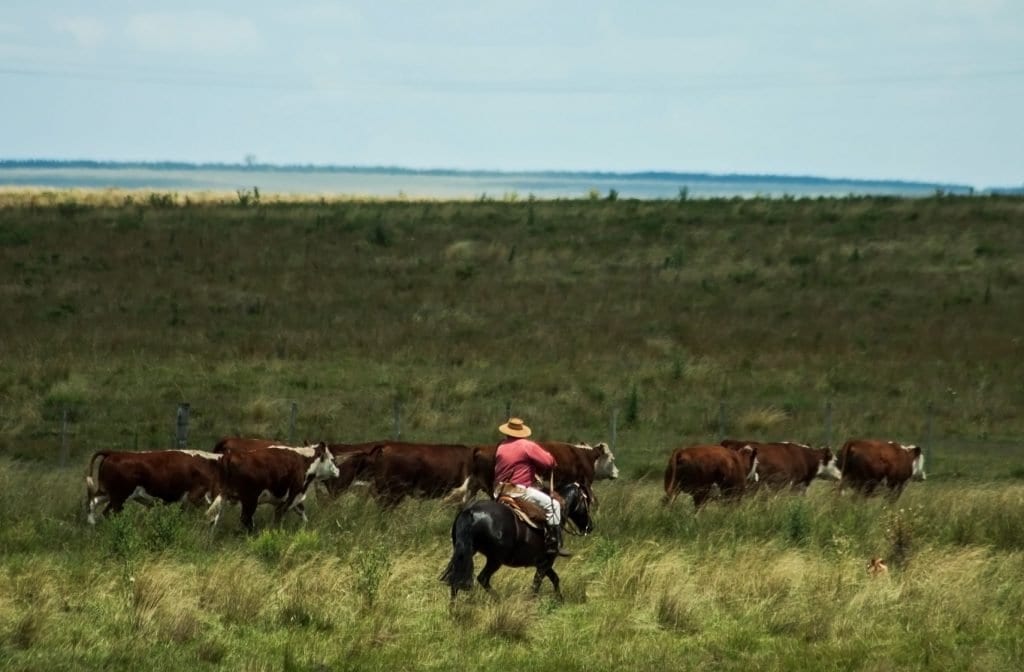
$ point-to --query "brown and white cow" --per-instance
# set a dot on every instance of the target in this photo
(868, 463)
(400, 469)
(784, 464)
(575, 463)
(698, 469)
(350, 458)
(277, 475)
(115, 477)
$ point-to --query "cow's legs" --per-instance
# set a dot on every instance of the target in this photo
(484, 577)
(700, 496)
(214, 511)
(248, 511)
(94, 502)
(459, 494)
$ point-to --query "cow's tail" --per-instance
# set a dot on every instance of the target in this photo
(670, 479)
(224, 467)
(843, 456)
(459, 572)
(92, 487)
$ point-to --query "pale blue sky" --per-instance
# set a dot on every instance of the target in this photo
(928, 90)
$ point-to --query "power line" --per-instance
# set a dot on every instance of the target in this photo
(725, 82)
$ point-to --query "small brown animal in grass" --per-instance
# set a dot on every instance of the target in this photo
(877, 568)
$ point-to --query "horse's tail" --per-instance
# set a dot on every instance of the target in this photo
(459, 572)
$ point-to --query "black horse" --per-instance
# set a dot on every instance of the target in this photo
(492, 529)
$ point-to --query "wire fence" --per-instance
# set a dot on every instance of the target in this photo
(639, 439)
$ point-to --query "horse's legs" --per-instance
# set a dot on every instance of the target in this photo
(537, 578)
(484, 577)
(555, 582)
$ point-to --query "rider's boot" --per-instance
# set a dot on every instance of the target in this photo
(553, 541)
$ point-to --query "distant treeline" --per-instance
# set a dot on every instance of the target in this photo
(805, 180)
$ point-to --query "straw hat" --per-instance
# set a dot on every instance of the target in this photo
(515, 427)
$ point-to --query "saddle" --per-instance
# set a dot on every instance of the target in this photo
(511, 495)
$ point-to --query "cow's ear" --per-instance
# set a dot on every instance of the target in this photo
(917, 451)
(602, 448)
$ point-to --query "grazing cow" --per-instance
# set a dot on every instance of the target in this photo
(115, 477)
(697, 469)
(271, 475)
(575, 463)
(786, 464)
(868, 463)
(400, 469)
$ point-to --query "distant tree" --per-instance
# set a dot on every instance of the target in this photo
(250, 160)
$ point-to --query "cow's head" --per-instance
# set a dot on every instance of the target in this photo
(917, 468)
(322, 467)
(748, 458)
(604, 466)
(828, 465)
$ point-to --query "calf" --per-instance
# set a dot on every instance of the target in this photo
(697, 469)
(271, 475)
(114, 477)
(868, 463)
(786, 464)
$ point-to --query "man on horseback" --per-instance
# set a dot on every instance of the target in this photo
(516, 464)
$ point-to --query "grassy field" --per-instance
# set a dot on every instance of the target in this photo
(749, 317)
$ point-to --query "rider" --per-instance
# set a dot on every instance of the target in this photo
(517, 461)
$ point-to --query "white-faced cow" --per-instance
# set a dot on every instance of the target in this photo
(351, 459)
(785, 464)
(115, 477)
(698, 469)
(867, 464)
(277, 475)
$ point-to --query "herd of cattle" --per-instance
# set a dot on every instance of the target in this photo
(257, 471)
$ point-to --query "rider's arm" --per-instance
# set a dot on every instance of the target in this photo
(541, 458)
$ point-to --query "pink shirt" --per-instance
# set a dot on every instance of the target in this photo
(517, 460)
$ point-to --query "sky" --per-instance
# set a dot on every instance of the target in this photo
(928, 90)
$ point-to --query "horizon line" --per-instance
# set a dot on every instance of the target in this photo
(402, 170)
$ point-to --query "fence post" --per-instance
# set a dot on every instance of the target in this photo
(64, 438)
(828, 423)
(615, 423)
(397, 417)
(291, 423)
(721, 419)
(928, 445)
(181, 426)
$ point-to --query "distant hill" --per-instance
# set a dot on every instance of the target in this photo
(392, 180)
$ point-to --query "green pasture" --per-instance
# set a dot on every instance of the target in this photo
(673, 321)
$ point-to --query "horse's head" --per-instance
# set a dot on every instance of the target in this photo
(577, 507)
